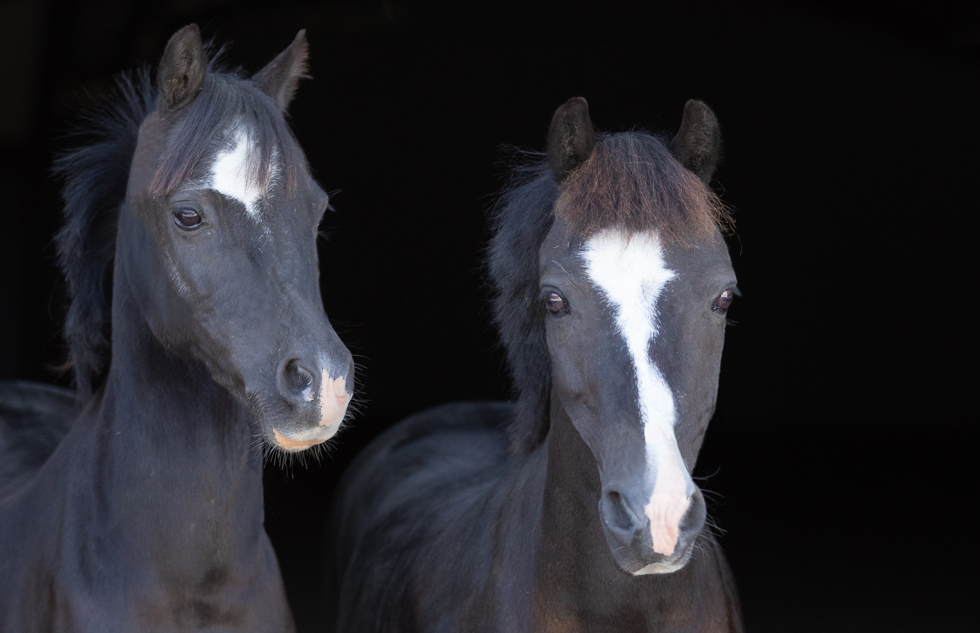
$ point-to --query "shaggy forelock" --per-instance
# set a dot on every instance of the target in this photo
(632, 180)
(225, 103)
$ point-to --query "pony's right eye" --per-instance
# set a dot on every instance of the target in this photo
(723, 302)
(187, 218)
(556, 304)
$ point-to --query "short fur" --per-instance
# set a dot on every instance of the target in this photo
(631, 180)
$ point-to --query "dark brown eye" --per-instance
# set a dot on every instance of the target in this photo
(723, 301)
(187, 218)
(556, 304)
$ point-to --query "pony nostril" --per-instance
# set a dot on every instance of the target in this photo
(693, 520)
(297, 382)
(617, 515)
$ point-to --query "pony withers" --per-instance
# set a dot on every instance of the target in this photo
(573, 509)
(197, 335)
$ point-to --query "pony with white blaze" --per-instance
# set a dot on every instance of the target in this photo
(574, 508)
(198, 337)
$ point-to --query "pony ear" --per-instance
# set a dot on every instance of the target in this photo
(281, 76)
(698, 143)
(182, 69)
(571, 137)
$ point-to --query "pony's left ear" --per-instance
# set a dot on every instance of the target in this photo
(182, 69)
(281, 76)
(571, 137)
(698, 143)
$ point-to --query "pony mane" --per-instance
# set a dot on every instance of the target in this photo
(520, 222)
(96, 176)
(630, 180)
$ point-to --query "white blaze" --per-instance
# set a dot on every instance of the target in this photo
(631, 271)
(231, 171)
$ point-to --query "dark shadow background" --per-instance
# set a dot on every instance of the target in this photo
(842, 454)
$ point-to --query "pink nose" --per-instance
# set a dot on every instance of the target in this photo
(333, 400)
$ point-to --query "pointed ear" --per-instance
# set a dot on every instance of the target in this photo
(698, 142)
(281, 76)
(182, 69)
(571, 137)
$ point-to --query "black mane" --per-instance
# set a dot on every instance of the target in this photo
(520, 223)
(632, 180)
(96, 177)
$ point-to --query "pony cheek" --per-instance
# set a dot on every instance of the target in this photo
(570, 391)
(567, 379)
(158, 302)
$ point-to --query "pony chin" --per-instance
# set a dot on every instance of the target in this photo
(293, 446)
(299, 441)
(667, 566)
(286, 437)
(646, 562)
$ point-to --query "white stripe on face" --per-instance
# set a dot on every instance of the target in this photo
(631, 272)
(230, 173)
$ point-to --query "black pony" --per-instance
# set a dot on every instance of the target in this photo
(613, 282)
(197, 333)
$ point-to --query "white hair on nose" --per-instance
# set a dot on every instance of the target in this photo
(631, 272)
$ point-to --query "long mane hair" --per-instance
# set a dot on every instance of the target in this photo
(631, 180)
(96, 175)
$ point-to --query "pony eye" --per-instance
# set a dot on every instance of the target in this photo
(187, 218)
(724, 301)
(556, 304)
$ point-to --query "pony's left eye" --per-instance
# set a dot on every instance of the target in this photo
(187, 218)
(724, 301)
(556, 304)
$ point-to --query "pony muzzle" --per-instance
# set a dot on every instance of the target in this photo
(318, 403)
(655, 538)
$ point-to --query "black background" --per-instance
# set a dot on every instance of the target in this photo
(842, 452)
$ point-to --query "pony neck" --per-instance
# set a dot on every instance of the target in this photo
(572, 536)
(159, 496)
(175, 447)
(577, 576)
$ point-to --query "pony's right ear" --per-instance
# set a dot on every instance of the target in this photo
(182, 69)
(571, 137)
(281, 76)
(698, 143)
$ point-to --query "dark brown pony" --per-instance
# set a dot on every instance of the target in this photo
(575, 509)
(197, 334)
